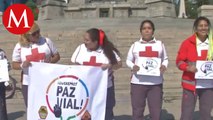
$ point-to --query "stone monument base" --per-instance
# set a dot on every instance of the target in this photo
(160, 8)
(51, 9)
(206, 10)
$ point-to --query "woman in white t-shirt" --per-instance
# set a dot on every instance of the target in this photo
(146, 86)
(97, 50)
(32, 47)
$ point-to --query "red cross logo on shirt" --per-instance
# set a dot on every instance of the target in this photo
(35, 56)
(148, 52)
(92, 62)
(203, 55)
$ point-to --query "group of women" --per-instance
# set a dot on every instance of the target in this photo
(32, 47)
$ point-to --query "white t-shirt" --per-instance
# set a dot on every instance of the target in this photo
(134, 53)
(83, 56)
(202, 46)
(37, 52)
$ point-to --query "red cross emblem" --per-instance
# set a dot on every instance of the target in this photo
(203, 55)
(35, 56)
(92, 62)
(148, 52)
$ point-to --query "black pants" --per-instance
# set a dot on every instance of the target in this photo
(3, 110)
(110, 103)
(25, 93)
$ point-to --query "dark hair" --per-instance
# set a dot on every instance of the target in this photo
(147, 21)
(107, 46)
(196, 22)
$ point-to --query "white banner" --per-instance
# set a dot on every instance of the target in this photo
(204, 70)
(149, 66)
(62, 92)
(4, 75)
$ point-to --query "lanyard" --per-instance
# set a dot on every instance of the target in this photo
(210, 49)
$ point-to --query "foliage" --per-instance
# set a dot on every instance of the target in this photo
(202, 2)
(191, 9)
(32, 5)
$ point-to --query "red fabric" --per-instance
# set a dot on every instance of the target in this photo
(92, 62)
(188, 53)
(35, 56)
(101, 39)
(148, 52)
(188, 86)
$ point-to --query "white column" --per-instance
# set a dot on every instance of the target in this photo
(182, 10)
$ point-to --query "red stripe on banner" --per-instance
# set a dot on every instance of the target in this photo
(49, 104)
(87, 101)
(71, 76)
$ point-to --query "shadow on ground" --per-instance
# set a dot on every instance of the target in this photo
(196, 116)
(15, 115)
(169, 116)
(165, 115)
(123, 117)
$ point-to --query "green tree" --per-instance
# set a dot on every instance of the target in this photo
(191, 9)
(202, 2)
(211, 2)
(32, 5)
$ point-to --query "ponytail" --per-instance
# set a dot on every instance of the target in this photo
(107, 46)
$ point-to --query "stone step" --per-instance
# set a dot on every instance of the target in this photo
(170, 41)
(167, 86)
(163, 34)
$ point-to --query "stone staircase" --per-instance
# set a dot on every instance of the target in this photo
(67, 35)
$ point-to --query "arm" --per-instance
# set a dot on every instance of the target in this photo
(165, 60)
(113, 66)
(20, 65)
(130, 59)
(119, 62)
(3, 56)
(75, 55)
(16, 58)
(55, 58)
(117, 66)
(182, 57)
(110, 66)
(16, 65)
